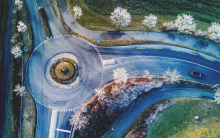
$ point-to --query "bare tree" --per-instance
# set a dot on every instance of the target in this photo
(120, 75)
(214, 32)
(20, 90)
(172, 76)
(21, 27)
(150, 21)
(16, 51)
(78, 12)
(217, 95)
(120, 17)
(185, 22)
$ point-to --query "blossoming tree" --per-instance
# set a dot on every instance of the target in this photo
(150, 21)
(120, 17)
(120, 75)
(185, 22)
(78, 12)
(21, 27)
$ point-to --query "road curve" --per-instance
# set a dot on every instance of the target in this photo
(152, 98)
(136, 35)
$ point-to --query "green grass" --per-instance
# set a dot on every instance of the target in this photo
(178, 120)
(98, 17)
(202, 10)
(44, 21)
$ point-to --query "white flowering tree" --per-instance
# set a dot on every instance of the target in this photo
(150, 21)
(120, 75)
(18, 4)
(120, 17)
(78, 12)
(146, 73)
(217, 95)
(16, 51)
(185, 22)
(20, 90)
(214, 32)
(200, 33)
(172, 76)
(101, 94)
(169, 25)
(79, 121)
(21, 27)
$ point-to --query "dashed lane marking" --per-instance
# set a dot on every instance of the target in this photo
(140, 48)
(209, 59)
(174, 49)
(192, 54)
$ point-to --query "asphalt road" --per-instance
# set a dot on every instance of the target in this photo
(136, 109)
(5, 67)
(136, 35)
(60, 99)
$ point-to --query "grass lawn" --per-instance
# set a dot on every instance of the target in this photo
(98, 17)
(178, 120)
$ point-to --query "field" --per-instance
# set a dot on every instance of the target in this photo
(178, 120)
(96, 14)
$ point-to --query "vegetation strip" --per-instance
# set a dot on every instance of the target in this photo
(44, 21)
(24, 126)
(96, 105)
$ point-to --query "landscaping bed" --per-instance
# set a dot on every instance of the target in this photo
(64, 78)
(105, 112)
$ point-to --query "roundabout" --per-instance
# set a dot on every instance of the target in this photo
(63, 72)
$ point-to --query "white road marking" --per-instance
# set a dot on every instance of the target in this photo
(62, 130)
(53, 124)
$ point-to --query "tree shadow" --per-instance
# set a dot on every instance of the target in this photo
(171, 36)
(112, 35)
(201, 44)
